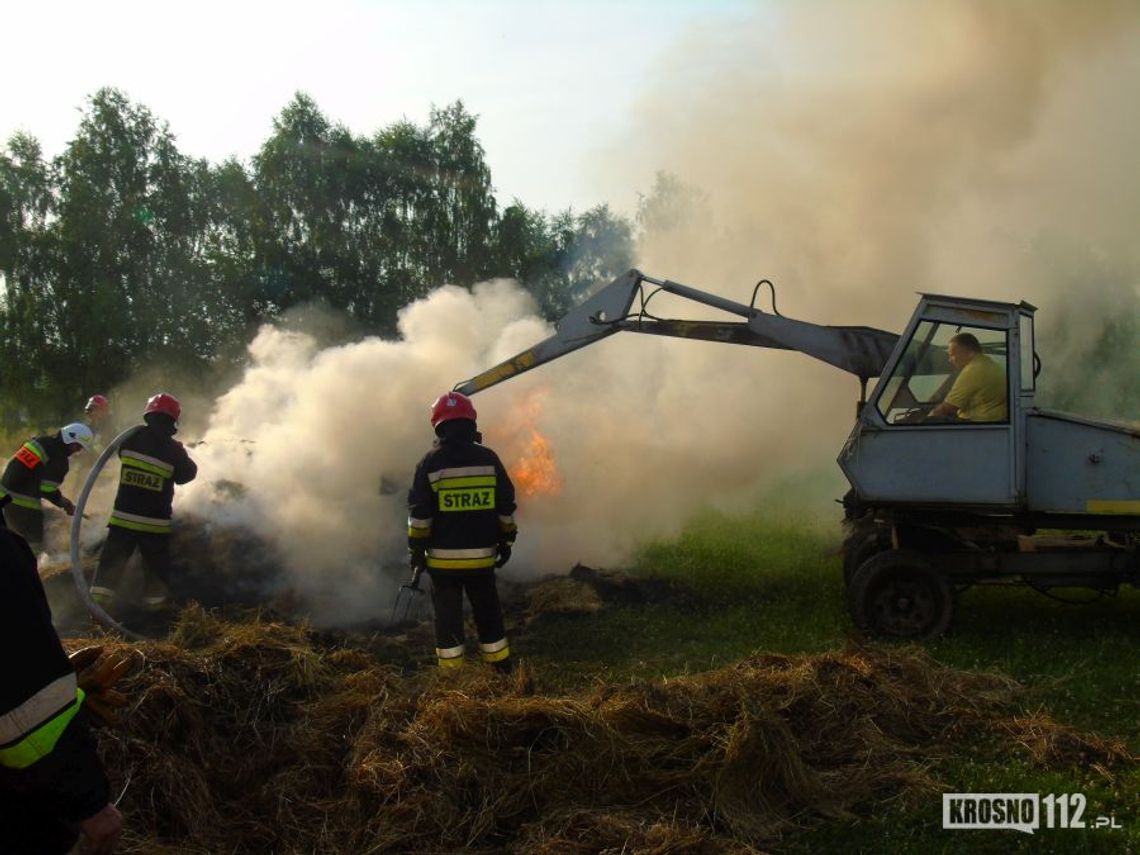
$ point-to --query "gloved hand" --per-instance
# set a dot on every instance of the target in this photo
(67, 506)
(84, 657)
(417, 560)
(102, 831)
(97, 676)
(504, 554)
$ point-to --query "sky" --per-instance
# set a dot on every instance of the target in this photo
(549, 81)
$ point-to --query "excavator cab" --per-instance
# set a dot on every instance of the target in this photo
(902, 451)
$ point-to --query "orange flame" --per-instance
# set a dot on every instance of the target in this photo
(535, 473)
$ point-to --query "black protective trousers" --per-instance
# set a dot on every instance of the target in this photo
(121, 544)
(447, 589)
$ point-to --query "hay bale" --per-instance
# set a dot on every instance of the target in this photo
(560, 595)
(585, 591)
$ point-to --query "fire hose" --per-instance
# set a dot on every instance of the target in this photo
(96, 610)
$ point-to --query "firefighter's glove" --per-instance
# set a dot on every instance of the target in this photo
(97, 676)
(67, 506)
(504, 554)
(417, 561)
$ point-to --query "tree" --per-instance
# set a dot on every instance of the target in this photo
(296, 184)
(27, 205)
(130, 280)
(459, 223)
(123, 252)
(404, 196)
(671, 205)
(602, 249)
(560, 259)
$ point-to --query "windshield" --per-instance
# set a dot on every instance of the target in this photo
(925, 376)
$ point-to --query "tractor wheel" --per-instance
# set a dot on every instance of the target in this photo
(897, 594)
(859, 548)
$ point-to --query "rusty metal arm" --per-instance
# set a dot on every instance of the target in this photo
(862, 351)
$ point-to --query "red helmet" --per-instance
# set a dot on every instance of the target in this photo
(451, 405)
(164, 403)
(97, 404)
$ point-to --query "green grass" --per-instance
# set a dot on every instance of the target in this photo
(737, 585)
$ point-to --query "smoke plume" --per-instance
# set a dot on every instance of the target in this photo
(854, 153)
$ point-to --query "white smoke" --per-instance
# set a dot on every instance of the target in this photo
(855, 153)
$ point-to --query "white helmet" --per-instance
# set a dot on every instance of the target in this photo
(77, 432)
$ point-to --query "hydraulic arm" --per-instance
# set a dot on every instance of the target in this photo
(862, 351)
(936, 504)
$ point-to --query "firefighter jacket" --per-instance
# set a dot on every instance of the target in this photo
(461, 506)
(152, 461)
(45, 742)
(35, 472)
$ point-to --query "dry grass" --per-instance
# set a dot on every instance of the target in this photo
(248, 737)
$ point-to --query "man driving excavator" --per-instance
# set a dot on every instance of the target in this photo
(979, 390)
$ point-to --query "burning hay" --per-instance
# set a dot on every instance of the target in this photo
(248, 737)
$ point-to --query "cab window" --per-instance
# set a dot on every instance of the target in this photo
(1028, 375)
(927, 376)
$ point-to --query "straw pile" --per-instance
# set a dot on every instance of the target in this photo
(252, 737)
(585, 591)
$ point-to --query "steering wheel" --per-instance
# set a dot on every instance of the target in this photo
(913, 416)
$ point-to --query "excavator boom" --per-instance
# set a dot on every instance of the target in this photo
(862, 351)
(936, 503)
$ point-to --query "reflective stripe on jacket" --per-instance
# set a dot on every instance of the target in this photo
(38, 692)
(22, 501)
(31, 730)
(46, 745)
(36, 470)
(461, 506)
(151, 463)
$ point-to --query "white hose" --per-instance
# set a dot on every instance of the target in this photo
(96, 610)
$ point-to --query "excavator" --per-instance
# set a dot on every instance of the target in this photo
(936, 505)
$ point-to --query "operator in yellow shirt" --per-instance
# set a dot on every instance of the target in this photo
(979, 390)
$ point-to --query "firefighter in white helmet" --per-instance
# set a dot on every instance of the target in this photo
(35, 472)
(461, 526)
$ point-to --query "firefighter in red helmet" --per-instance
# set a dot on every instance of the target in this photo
(151, 462)
(461, 526)
(98, 416)
(98, 413)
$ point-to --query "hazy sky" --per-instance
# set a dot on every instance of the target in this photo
(551, 82)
